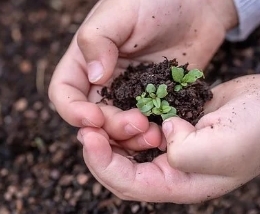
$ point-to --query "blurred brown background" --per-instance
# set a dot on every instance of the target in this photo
(41, 165)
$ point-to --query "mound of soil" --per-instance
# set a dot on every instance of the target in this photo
(189, 101)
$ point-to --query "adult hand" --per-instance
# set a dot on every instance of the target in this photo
(202, 162)
(118, 33)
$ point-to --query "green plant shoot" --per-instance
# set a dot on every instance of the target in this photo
(149, 102)
(184, 79)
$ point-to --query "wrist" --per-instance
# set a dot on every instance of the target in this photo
(226, 12)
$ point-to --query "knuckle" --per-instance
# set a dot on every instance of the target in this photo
(82, 36)
(174, 156)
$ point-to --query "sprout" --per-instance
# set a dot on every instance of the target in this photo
(150, 102)
(183, 80)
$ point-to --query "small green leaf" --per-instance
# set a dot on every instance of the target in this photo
(152, 95)
(192, 76)
(162, 91)
(143, 94)
(156, 111)
(141, 97)
(141, 102)
(184, 84)
(165, 103)
(157, 102)
(177, 74)
(148, 106)
(150, 88)
(148, 113)
(138, 98)
(171, 113)
(177, 88)
(166, 109)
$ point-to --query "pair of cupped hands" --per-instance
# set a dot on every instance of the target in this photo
(217, 155)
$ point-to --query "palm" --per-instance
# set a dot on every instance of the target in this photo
(146, 35)
(145, 31)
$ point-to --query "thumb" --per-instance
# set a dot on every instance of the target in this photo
(176, 131)
(107, 28)
(196, 150)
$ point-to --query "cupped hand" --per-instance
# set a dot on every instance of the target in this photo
(225, 141)
(118, 33)
(202, 162)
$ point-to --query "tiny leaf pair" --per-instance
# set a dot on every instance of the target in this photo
(149, 102)
(166, 111)
(184, 79)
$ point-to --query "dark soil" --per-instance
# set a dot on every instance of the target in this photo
(41, 165)
(189, 101)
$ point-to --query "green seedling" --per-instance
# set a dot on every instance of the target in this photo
(165, 110)
(184, 80)
(150, 102)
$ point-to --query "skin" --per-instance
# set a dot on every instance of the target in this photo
(197, 166)
(150, 34)
(202, 162)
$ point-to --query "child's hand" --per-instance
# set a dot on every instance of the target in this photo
(225, 141)
(216, 156)
(117, 33)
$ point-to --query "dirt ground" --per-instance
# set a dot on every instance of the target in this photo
(41, 165)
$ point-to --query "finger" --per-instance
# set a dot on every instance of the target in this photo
(116, 147)
(121, 125)
(225, 92)
(102, 34)
(69, 88)
(150, 139)
(163, 144)
(147, 140)
(151, 182)
(86, 130)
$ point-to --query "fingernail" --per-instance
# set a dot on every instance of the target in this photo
(80, 137)
(86, 122)
(143, 142)
(132, 130)
(163, 146)
(167, 127)
(95, 71)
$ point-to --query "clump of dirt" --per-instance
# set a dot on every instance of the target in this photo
(189, 101)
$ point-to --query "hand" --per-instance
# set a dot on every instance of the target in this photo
(119, 33)
(225, 142)
(216, 156)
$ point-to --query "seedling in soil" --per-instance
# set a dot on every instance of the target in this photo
(184, 80)
(159, 101)
(150, 102)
